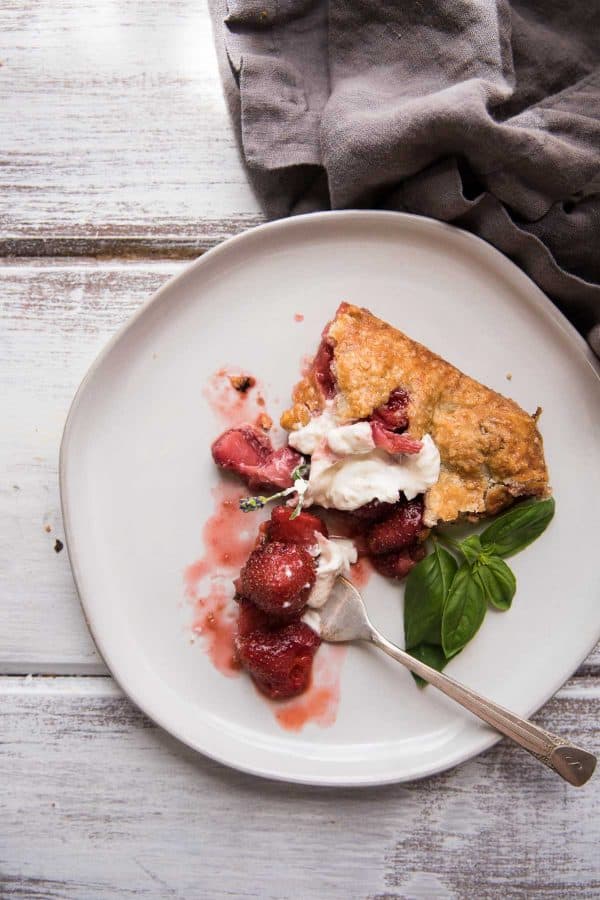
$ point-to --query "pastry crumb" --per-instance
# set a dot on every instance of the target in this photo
(48, 528)
(242, 383)
(537, 414)
(58, 545)
(509, 376)
(264, 421)
(298, 317)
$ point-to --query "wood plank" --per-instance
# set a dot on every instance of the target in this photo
(161, 821)
(54, 318)
(114, 134)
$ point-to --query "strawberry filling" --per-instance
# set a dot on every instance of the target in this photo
(321, 368)
(393, 413)
(392, 442)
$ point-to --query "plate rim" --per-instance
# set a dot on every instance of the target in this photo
(487, 739)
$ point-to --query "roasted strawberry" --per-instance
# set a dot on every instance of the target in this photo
(400, 529)
(393, 413)
(251, 618)
(277, 469)
(279, 661)
(374, 511)
(277, 578)
(248, 452)
(300, 530)
(399, 564)
(392, 442)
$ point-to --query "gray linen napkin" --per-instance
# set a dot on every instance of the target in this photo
(482, 113)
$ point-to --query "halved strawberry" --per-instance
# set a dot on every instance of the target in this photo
(248, 452)
(277, 578)
(280, 661)
(277, 469)
(241, 448)
(300, 530)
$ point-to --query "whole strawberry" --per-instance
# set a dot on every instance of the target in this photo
(280, 661)
(277, 578)
(403, 527)
(251, 618)
(399, 563)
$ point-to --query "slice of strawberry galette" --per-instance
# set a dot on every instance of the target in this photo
(382, 415)
(394, 439)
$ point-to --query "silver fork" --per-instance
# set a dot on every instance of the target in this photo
(344, 618)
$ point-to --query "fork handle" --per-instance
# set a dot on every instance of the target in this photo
(570, 762)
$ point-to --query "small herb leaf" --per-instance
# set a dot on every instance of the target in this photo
(518, 527)
(497, 580)
(464, 611)
(427, 587)
(432, 655)
(471, 548)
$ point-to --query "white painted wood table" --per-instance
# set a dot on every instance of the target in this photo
(117, 164)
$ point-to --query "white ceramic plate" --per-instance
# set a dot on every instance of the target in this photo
(136, 475)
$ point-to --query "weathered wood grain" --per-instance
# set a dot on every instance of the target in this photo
(114, 136)
(102, 804)
(54, 318)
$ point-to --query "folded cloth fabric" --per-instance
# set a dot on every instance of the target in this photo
(482, 113)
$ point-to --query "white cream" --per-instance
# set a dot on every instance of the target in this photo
(309, 437)
(347, 470)
(334, 558)
(346, 440)
(349, 482)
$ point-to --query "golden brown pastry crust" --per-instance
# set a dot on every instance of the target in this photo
(491, 450)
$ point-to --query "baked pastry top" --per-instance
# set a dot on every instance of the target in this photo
(491, 450)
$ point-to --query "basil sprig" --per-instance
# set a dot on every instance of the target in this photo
(464, 611)
(517, 528)
(427, 587)
(445, 603)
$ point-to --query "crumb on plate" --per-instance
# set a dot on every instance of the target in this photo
(242, 383)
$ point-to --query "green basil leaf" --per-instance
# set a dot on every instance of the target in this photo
(497, 580)
(427, 587)
(471, 548)
(464, 611)
(432, 655)
(518, 527)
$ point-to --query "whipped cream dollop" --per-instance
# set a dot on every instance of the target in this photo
(347, 470)
(307, 438)
(334, 557)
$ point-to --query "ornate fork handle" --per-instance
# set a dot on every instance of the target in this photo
(570, 762)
